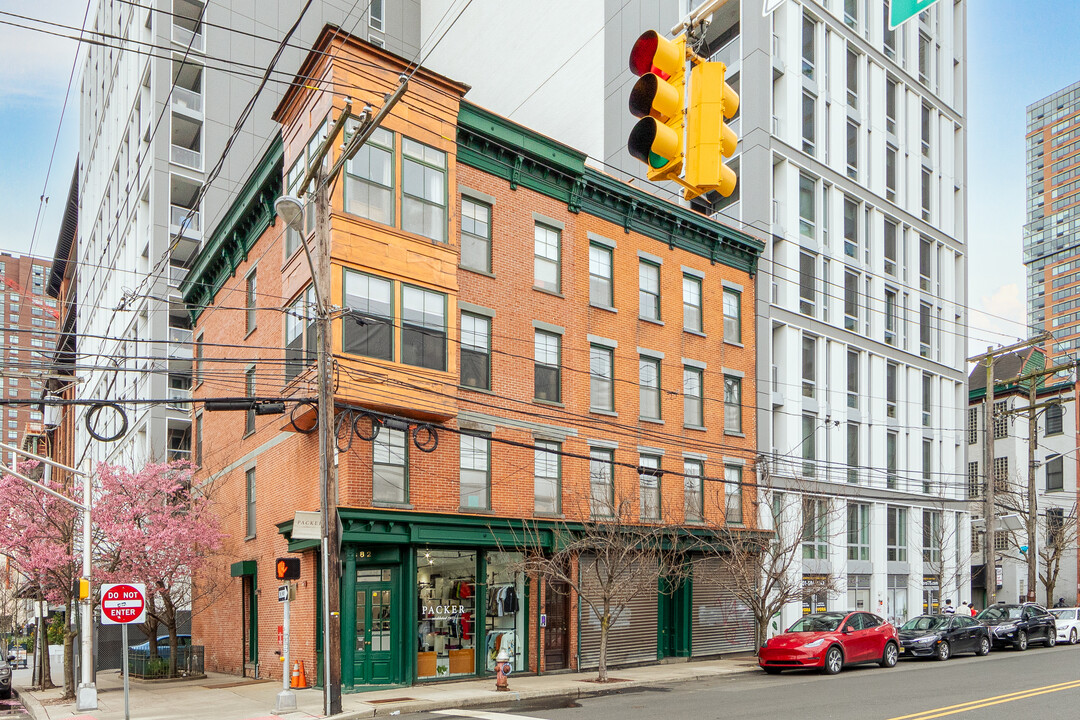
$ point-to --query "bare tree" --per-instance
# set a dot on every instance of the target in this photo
(606, 560)
(1059, 528)
(937, 536)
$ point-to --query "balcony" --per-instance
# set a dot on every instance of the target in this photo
(188, 37)
(186, 141)
(190, 101)
(186, 157)
(179, 342)
(179, 399)
(179, 222)
(177, 275)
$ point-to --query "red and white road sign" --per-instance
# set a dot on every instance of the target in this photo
(123, 603)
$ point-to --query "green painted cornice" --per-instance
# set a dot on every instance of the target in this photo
(245, 221)
(499, 147)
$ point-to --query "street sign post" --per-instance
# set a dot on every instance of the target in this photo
(124, 604)
(286, 699)
(903, 10)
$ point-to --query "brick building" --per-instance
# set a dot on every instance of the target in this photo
(553, 390)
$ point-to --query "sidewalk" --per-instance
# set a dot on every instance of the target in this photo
(226, 697)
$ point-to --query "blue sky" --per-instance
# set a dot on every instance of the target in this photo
(1018, 52)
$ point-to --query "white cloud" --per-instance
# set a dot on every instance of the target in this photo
(1000, 318)
(37, 65)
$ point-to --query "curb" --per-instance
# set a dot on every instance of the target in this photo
(33, 707)
(510, 698)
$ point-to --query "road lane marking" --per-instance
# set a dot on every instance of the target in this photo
(482, 715)
(988, 702)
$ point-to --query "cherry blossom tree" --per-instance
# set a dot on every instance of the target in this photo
(156, 527)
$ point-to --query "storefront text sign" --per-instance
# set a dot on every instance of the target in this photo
(307, 525)
(443, 612)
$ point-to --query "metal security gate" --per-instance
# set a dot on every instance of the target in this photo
(632, 638)
(721, 623)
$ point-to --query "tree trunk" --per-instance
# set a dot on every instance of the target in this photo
(43, 644)
(174, 648)
(605, 625)
(69, 646)
(759, 631)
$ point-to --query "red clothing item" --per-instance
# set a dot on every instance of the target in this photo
(466, 626)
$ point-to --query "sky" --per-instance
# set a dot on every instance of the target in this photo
(1018, 52)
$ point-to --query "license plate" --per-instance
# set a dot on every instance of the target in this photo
(902, 651)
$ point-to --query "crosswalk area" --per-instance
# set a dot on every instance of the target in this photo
(482, 715)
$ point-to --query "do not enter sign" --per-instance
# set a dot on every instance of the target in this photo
(123, 603)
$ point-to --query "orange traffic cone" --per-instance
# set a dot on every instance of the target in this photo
(294, 681)
(301, 678)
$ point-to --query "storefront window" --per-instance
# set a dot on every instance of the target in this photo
(898, 595)
(446, 582)
(858, 592)
(505, 616)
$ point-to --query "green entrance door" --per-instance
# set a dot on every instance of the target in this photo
(374, 628)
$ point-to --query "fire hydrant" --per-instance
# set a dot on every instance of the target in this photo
(502, 670)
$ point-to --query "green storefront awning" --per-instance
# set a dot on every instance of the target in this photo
(242, 568)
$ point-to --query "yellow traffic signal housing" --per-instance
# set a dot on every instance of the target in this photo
(84, 588)
(658, 99)
(709, 139)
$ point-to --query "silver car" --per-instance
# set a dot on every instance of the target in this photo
(1068, 624)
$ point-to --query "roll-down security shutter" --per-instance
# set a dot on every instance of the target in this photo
(632, 638)
(721, 624)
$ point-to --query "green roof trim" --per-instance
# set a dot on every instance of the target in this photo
(526, 158)
(1002, 388)
(245, 221)
(242, 568)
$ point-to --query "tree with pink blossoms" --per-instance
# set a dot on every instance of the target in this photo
(155, 527)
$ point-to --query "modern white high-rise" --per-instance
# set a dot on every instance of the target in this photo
(851, 162)
(157, 109)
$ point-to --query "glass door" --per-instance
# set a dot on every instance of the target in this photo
(374, 627)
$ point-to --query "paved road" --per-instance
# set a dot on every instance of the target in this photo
(13, 710)
(1041, 683)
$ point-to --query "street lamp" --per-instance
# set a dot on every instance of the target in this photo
(291, 210)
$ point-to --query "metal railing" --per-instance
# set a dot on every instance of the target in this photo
(185, 37)
(189, 663)
(187, 99)
(186, 157)
(177, 398)
(177, 215)
(177, 275)
(179, 335)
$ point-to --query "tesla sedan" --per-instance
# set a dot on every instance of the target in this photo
(942, 636)
(830, 641)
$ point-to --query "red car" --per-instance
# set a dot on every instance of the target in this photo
(830, 641)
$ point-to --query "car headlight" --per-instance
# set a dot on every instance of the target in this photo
(815, 643)
(5, 671)
(1005, 628)
(924, 640)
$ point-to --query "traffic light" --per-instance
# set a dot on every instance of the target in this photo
(81, 588)
(287, 568)
(658, 99)
(709, 139)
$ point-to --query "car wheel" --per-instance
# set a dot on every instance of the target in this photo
(771, 670)
(889, 657)
(944, 650)
(1072, 636)
(1051, 639)
(1021, 641)
(984, 647)
(834, 661)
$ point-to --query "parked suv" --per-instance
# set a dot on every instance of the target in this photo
(1019, 625)
(6, 665)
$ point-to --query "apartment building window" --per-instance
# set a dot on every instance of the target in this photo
(546, 262)
(733, 507)
(806, 205)
(475, 477)
(851, 301)
(423, 328)
(1001, 474)
(888, 34)
(931, 536)
(732, 316)
(693, 495)
(198, 440)
(852, 150)
(390, 466)
(1001, 419)
(973, 425)
(924, 58)
(892, 90)
(853, 379)
(475, 235)
(601, 378)
(926, 252)
(693, 415)
(649, 479)
(809, 443)
(890, 247)
(601, 291)
(891, 372)
(852, 79)
(649, 291)
(547, 380)
(851, 228)
(250, 302)
(547, 477)
(927, 465)
(369, 179)
(975, 482)
(807, 283)
(815, 529)
(1055, 526)
(368, 328)
(1055, 473)
(375, 18)
(890, 316)
(853, 452)
(858, 531)
(809, 33)
(896, 520)
(732, 404)
(1054, 415)
(926, 192)
(249, 391)
(691, 298)
(809, 366)
(649, 387)
(890, 173)
(809, 131)
(249, 505)
(475, 351)
(891, 440)
(423, 190)
(924, 330)
(601, 482)
(300, 334)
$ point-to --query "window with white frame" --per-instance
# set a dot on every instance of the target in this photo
(601, 378)
(649, 478)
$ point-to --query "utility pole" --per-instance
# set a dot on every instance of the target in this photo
(291, 209)
(989, 505)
